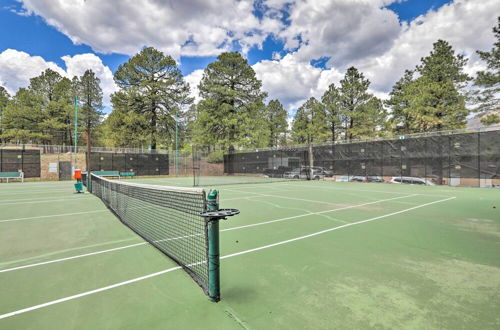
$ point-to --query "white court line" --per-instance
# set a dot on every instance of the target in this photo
(223, 230)
(360, 190)
(35, 192)
(69, 250)
(88, 212)
(46, 200)
(332, 229)
(137, 279)
(53, 215)
(283, 197)
(315, 213)
(74, 257)
(35, 199)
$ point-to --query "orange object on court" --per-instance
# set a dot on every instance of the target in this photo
(78, 174)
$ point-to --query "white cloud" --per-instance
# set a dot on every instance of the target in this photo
(463, 23)
(16, 69)
(194, 79)
(292, 81)
(348, 39)
(190, 27)
(344, 30)
(361, 33)
(78, 64)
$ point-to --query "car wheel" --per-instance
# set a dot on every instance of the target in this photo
(296, 177)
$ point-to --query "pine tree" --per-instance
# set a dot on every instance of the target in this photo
(90, 96)
(21, 118)
(360, 114)
(54, 92)
(398, 103)
(276, 118)
(124, 127)
(154, 91)
(436, 101)
(332, 104)
(443, 65)
(231, 111)
(488, 98)
(309, 124)
(4, 100)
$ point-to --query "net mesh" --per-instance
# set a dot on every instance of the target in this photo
(166, 217)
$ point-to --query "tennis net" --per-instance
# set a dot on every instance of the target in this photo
(167, 217)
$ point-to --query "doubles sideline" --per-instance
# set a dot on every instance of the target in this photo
(137, 279)
(223, 230)
(89, 212)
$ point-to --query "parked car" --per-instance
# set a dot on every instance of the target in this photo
(304, 174)
(343, 178)
(323, 171)
(374, 179)
(357, 178)
(276, 173)
(410, 180)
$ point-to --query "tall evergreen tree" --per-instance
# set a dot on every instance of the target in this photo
(232, 107)
(398, 103)
(90, 96)
(276, 118)
(360, 114)
(153, 89)
(124, 127)
(443, 64)
(434, 105)
(489, 80)
(4, 100)
(53, 95)
(309, 124)
(332, 104)
(436, 100)
(59, 112)
(21, 118)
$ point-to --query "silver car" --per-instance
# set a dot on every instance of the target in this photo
(304, 174)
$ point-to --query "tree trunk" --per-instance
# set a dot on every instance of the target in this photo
(153, 128)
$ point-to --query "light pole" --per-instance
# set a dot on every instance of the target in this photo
(177, 142)
(75, 139)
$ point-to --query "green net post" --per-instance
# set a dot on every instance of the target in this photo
(89, 182)
(213, 248)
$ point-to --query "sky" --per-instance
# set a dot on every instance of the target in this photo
(296, 47)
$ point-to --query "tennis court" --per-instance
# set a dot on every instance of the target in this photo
(302, 254)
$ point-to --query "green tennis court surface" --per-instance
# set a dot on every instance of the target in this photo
(303, 255)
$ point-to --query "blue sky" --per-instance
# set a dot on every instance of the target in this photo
(295, 49)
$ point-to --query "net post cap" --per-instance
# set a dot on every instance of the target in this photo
(219, 214)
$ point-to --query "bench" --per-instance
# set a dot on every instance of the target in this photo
(12, 175)
(127, 174)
